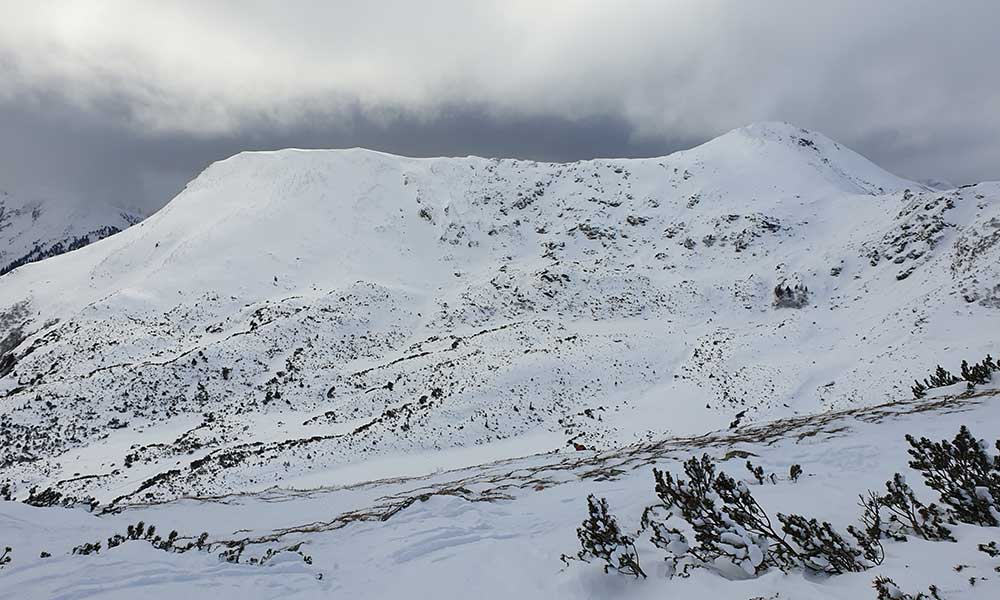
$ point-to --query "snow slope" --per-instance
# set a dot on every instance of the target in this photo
(498, 530)
(304, 318)
(32, 229)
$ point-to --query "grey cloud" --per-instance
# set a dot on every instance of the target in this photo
(130, 99)
(61, 149)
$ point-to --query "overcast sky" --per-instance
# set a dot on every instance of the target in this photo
(127, 101)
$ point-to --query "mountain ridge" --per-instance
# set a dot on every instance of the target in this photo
(293, 313)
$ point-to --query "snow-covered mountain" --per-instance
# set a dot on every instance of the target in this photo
(364, 375)
(32, 229)
(304, 318)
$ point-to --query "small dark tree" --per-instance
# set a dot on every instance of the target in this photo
(979, 373)
(794, 472)
(791, 297)
(976, 374)
(756, 471)
(941, 378)
(87, 548)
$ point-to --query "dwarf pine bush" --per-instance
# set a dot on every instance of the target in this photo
(601, 539)
(734, 535)
(141, 532)
(976, 374)
(979, 373)
(758, 473)
(730, 524)
(820, 548)
(963, 473)
(708, 502)
(791, 297)
(886, 589)
(906, 515)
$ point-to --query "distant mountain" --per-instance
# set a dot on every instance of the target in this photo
(935, 183)
(31, 230)
(293, 313)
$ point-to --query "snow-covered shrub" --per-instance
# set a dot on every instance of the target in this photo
(979, 373)
(50, 497)
(976, 374)
(234, 554)
(820, 548)
(794, 472)
(869, 537)
(963, 473)
(907, 514)
(602, 539)
(758, 473)
(991, 549)
(87, 548)
(886, 589)
(731, 526)
(140, 532)
(791, 297)
(5, 557)
(941, 378)
(272, 552)
(734, 535)
(669, 539)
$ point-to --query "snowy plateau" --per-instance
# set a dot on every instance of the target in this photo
(348, 374)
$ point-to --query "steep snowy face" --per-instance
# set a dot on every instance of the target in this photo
(31, 230)
(292, 313)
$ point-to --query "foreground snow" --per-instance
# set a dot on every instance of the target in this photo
(498, 530)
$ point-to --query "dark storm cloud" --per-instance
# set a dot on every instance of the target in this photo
(53, 148)
(129, 100)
